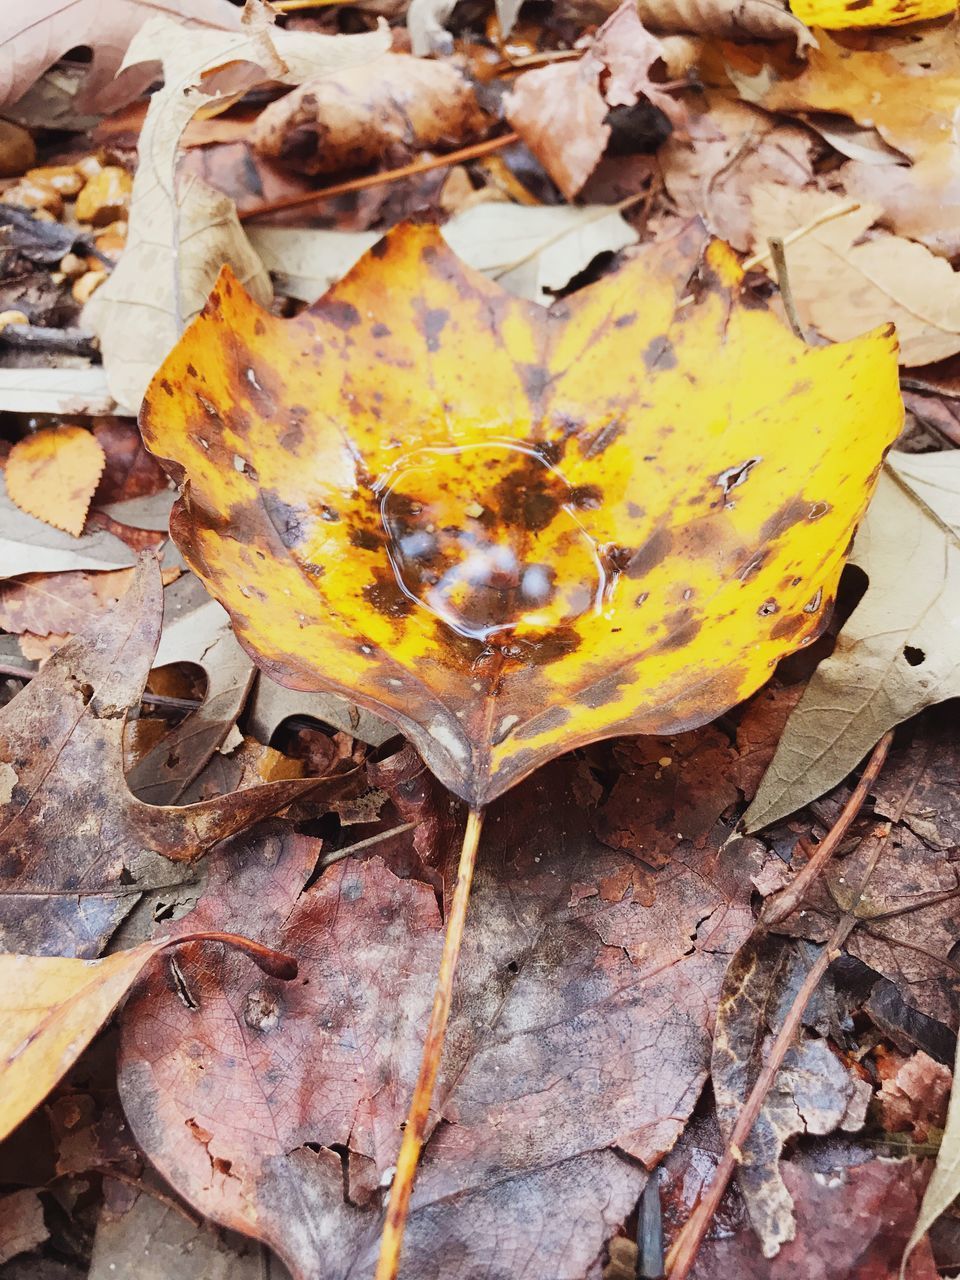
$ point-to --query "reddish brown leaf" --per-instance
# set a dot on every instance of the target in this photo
(72, 836)
(130, 471)
(578, 1046)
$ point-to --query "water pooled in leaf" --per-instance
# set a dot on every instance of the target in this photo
(487, 538)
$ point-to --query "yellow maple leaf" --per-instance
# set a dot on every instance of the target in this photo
(514, 530)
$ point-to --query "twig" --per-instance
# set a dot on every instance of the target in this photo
(36, 337)
(388, 175)
(151, 699)
(684, 1250)
(392, 1240)
(348, 850)
(779, 257)
(782, 904)
(850, 206)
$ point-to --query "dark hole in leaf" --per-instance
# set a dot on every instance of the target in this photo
(914, 655)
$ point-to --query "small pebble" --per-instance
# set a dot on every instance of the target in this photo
(12, 317)
(105, 198)
(64, 178)
(71, 264)
(86, 285)
(34, 195)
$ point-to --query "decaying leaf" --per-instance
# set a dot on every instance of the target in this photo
(59, 603)
(887, 665)
(844, 280)
(385, 111)
(53, 1006)
(944, 1184)
(561, 111)
(728, 148)
(728, 20)
(532, 251)
(34, 36)
(22, 1227)
(567, 998)
(814, 1093)
(499, 547)
(72, 837)
(178, 241)
(53, 474)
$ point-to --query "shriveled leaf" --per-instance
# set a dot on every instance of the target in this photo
(72, 836)
(530, 250)
(178, 241)
(53, 474)
(900, 650)
(728, 19)
(51, 1007)
(545, 526)
(28, 545)
(844, 280)
(728, 148)
(578, 1046)
(34, 36)
(388, 110)
(561, 111)
(836, 15)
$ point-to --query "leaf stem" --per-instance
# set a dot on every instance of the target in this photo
(413, 1135)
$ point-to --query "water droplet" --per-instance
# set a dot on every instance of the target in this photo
(488, 538)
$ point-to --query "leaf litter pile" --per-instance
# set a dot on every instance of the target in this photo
(479, 639)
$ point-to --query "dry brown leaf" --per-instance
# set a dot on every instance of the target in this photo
(62, 603)
(51, 1007)
(33, 36)
(385, 111)
(178, 242)
(53, 474)
(843, 282)
(727, 19)
(920, 201)
(729, 147)
(561, 110)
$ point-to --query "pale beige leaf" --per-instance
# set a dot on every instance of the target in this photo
(34, 34)
(845, 283)
(156, 289)
(900, 650)
(919, 201)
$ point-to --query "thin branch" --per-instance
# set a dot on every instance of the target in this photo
(779, 257)
(413, 1135)
(388, 175)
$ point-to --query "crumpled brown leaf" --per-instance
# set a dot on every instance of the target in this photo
(384, 112)
(577, 1049)
(561, 111)
(72, 836)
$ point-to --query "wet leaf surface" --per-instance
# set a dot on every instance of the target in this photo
(563, 993)
(476, 574)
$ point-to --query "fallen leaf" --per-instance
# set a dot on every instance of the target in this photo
(844, 280)
(385, 111)
(666, 580)
(72, 836)
(195, 629)
(836, 15)
(271, 704)
(177, 241)
(814, 1093)
(53, 474)
(532, 251)
(130, 471)
(33, 38)
(728, 148)
(944, 1183)
(558, 1084)
(56, 391)
(727, 19)
(908, 93)
(891, 660)
(53, 1006)
(60, 603)
(28, 545)
(154, 1240)
(22, 1227)
(913, 1095)
(920, 201)
(562, 111)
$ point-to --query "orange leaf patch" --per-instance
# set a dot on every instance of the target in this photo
(53, 475)
(513, 530)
